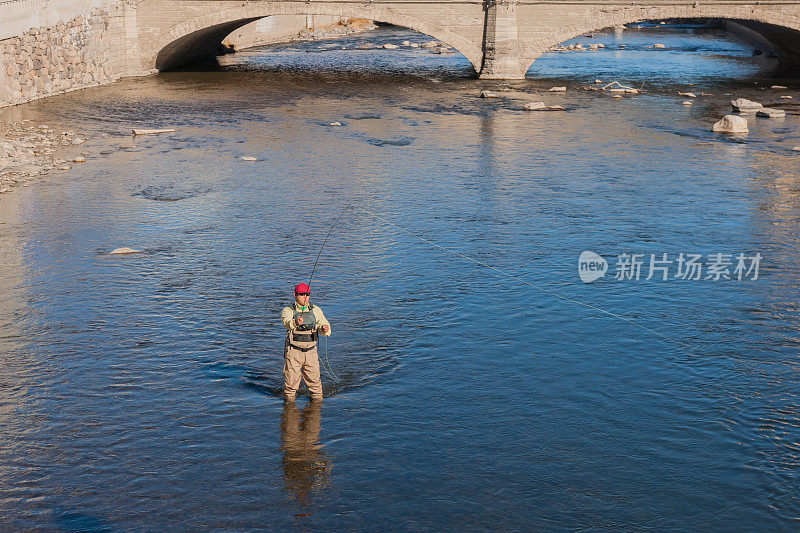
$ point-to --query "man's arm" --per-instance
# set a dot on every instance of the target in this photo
(322, 321)
(287, 317)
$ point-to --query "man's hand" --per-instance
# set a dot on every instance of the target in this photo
(298, 320)
(325, 328)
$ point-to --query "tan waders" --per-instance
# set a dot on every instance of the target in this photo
(301, 361)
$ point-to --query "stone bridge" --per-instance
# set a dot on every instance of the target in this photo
(47, 45)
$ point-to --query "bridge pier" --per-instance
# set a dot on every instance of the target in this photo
(501, 52)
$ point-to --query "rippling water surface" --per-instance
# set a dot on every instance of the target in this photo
(140, 392)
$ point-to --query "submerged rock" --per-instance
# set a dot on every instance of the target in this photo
(731, 124)
(743, 104)
(534, 106)
(124, 250)
(769, 112)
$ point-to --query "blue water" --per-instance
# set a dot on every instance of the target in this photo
(141, 392)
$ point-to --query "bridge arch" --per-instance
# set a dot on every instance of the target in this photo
(200, 35)
(781, 29)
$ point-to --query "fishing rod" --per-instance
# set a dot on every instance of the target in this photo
(329, 370)
(326, 240)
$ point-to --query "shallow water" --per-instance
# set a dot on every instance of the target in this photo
(140, 392)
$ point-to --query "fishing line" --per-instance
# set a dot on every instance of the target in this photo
(517, 278)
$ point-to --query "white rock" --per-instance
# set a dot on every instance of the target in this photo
(534, 106)
(687, 103)
(616, 96)
(430, 44)
(598, 81)
(561, 89)
(785, 96)
(124, 250)
(64, 167)
(388, 46)
(593, 47)
(731, 124)
(778, 87)
(769, 112)
(489, 94)
(601, 45)
(796, 149)
(79, 159)
(414, 45)
(335, 124)
(249, 158)
(406, 43)
(78, 140)
(743, 104)
(555, 108)
(690, 95)
(137, 131)
(659, 46)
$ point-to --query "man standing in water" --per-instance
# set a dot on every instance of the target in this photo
(303, 321)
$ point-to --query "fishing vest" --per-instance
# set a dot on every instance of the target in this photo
(304, 337)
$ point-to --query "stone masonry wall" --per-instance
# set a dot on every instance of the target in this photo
(46, 61)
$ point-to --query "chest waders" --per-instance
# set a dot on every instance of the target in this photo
(304, 337)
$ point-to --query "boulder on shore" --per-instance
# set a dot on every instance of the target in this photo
(743, 104)
(769, 112)
(731, 124)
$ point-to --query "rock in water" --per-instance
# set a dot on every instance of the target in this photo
(388, 46)
(151, 132)
(430, 44)
(489, 94)
(249, 158)
(743, 104)
(731, 124)
(659, 46)
(687, 103)
(778, 87)
(123, 250)
(335, 124)
(560, 89)
(534, 106)
(768, 112)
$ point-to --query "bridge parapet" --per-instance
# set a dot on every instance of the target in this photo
(53, 46)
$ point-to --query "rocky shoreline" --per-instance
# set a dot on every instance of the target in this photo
(29, 150)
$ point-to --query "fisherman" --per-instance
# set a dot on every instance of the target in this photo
(303, 322)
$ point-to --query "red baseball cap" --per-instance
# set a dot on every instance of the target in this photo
(301, 288)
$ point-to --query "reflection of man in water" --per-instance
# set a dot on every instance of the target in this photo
(306, 466)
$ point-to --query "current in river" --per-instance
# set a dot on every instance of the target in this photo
(473, 380)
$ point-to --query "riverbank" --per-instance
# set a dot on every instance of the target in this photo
(29, 150)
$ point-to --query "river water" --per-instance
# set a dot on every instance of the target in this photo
(141, 392)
